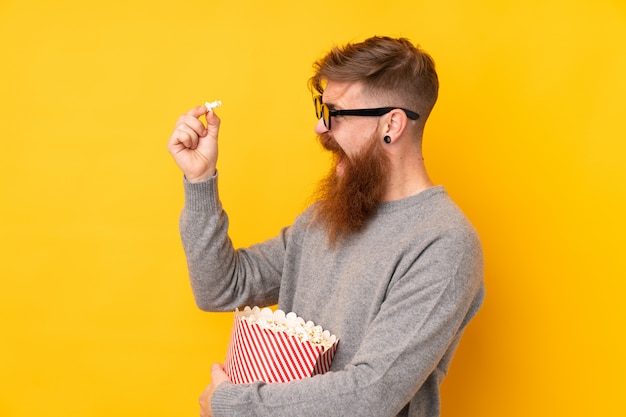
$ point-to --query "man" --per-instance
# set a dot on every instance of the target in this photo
(384, 259)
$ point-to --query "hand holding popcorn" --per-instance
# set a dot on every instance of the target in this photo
(194, 146)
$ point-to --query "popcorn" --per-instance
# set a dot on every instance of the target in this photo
(291, 324)
(277, 347)
(212, 104)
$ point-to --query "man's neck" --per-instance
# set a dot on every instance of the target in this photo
(407, 177)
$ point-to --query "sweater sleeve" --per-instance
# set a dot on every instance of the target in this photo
(405, 350)
(223, 278)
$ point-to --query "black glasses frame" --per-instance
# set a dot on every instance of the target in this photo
(322, 111)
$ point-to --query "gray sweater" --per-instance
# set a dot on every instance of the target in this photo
(398, 295)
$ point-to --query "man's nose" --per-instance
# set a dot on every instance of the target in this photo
(320, 127)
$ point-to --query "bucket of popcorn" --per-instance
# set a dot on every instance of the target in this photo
(272, 346)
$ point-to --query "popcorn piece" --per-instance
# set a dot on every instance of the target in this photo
(212, 104)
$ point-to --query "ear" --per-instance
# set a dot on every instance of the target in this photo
(394, 123)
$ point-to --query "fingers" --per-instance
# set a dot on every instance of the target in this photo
(189, 129)
(197, 111)
(211, 117)
(194, 146)
(217, 368)
(218, 374)
(192, 120)
(205, 401)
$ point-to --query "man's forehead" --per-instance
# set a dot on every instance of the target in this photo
(337, 91)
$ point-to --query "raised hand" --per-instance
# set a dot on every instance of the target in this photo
(194, 146)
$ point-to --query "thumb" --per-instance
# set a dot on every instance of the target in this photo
(218, 374)
(213, 123)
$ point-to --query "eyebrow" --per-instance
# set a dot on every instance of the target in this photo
(330, 105)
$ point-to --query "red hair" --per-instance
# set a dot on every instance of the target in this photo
(392, 68)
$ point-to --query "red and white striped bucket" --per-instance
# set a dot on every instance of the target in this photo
(262, 354)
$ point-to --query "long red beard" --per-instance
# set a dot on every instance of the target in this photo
(346, 201)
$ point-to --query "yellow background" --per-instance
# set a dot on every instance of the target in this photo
(97, 318)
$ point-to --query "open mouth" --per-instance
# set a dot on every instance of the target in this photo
(340, 164)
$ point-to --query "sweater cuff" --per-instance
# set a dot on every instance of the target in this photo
(223, 396)
(201, 196)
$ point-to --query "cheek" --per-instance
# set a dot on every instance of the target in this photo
(358, 138)
(354, 144)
